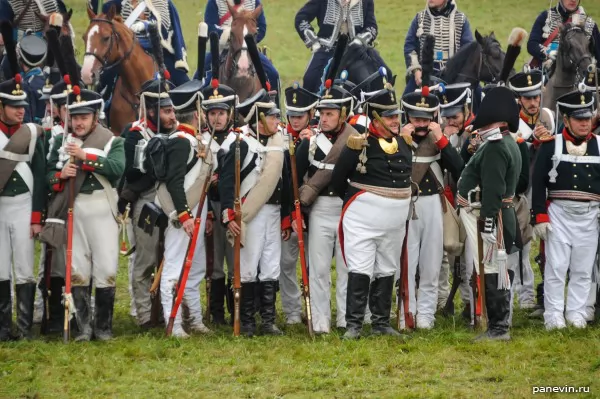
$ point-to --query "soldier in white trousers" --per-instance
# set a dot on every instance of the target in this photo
(566, 173)
(432, 154)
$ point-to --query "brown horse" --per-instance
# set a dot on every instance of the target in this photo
(237, 70)
(110, 44)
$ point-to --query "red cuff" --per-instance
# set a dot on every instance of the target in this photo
(91, 157)
(442, 143)
(183, 216)
(36, 217)
(210, 215)
(286, 223)
(228, 215)
(542, 218)
(59, 185)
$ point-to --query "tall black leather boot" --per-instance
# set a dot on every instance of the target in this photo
(55, 305)
(356, 304)
(247, 307)
(103, 313)
(25, 298)
(380, 303)
(217, 301)
(268, 295)
(5, 312)
(81, 298)
(498, 310)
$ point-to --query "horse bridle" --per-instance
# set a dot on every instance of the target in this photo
(234, 56)
(482, 63)
(105, 66)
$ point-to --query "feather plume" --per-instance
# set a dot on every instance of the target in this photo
(340, 49)
(516, 38)
(68, 55)
(6, 29)
(214, 51)
(254, 56)
(427, 59)
(202, 39)
(156, 46)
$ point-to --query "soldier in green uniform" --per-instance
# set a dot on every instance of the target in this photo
(485, 195)
(99, 163)
(22, 197)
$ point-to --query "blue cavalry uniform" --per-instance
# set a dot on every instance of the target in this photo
(356, 18)
(31, 53)
(544, 36)
(218, 18)
(451, 30)
(164, 13)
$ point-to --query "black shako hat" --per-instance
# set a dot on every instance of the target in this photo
(298, 100)
(185, 97)
(527, 84)
(259, 103)
(577, 104)
(12, 93)
(218, 96)
(82, 101)
(420, 104)
(453, 98)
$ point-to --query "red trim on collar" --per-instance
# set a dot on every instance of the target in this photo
(529, 119)
(295, 134)
(469, 121)
(373, 131)
(9, 129)
(567, 136)
(187, 129)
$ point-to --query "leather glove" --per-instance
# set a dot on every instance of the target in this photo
(363, 39)
(541, 230)
(488, 234)
(312, 40)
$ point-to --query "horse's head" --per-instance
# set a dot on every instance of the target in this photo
(107, 42)
(243, 23)
(575, 55)
(492, 57)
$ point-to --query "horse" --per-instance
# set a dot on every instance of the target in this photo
(360, 62)
(237, 70)
(574, 64)
(110, 44)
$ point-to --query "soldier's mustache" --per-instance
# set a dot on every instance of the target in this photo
(422, 129)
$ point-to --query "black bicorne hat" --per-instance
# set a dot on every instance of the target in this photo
(420, 104)
(453, 98)
(577, 104)
(335, 97)
(527, 83)
(185, 97)
(32, 50)
(259, 103)
(12, 93)
(82, 101)
(218, 96)
(499, 105)
(299, 101)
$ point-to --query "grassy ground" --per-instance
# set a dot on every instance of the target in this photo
(437, 364)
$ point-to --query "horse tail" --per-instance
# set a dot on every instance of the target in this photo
(516, 38)
(157, 50)
(6, 29)
(254, 56)
(214, 52)
(202, 39)
(427, 51)
(340, 49)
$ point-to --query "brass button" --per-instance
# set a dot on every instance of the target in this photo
(426, 180)
(575, 176)
(589, 175)
(429, 190)
(574, 186)
(92, 184)
(587, 166)
(331, 193)
(393, 181)
(14, 179)
(101, 165)
(574, 164)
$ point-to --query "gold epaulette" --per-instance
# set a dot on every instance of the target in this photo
(357, 141)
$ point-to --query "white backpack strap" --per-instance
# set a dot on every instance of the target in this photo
(556, 158)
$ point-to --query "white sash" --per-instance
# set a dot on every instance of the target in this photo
(254, 147)
(559, 157)
(418, 159)
(323, 143)
(21, 168)
(525, 130)
(135, 14)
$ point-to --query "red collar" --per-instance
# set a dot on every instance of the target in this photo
(187, 129)
(569, 137)
(295, 134)
(529, 119)
(469, 121)
(9, 129)
(373, 132)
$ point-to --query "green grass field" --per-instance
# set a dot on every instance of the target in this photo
(442, 363)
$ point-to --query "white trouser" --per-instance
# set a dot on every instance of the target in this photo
(425, 251)
(524, 289)
(95, 241)
(444, 280)
(131, 266)
(176, 244)
(323, 244)
(262, 251)
(288, 279)
(513, 265)
(223, 251)
(469, 220)
(571, 246)
(16, 244)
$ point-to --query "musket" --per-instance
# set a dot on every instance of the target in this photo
(300, 232)
(403, 294)
(237, 244)
(448, 309)
(69, 254)
(189, 257)
(45, 288)
(210, 262)
(156, 307)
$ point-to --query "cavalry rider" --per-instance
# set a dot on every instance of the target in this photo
(188, 166)
(566, 174)
(373, 174)
(316, 157)
(98, 164)
(356, 18)
(165, 14)
(219, 111)
(545, 33)
(432, 155)
(31, 54)
(536, 124)
(157, 116)
(300, 109)
(218, 18)
(485, 195)
(22, 200)
(266, 199)
(449, 26)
